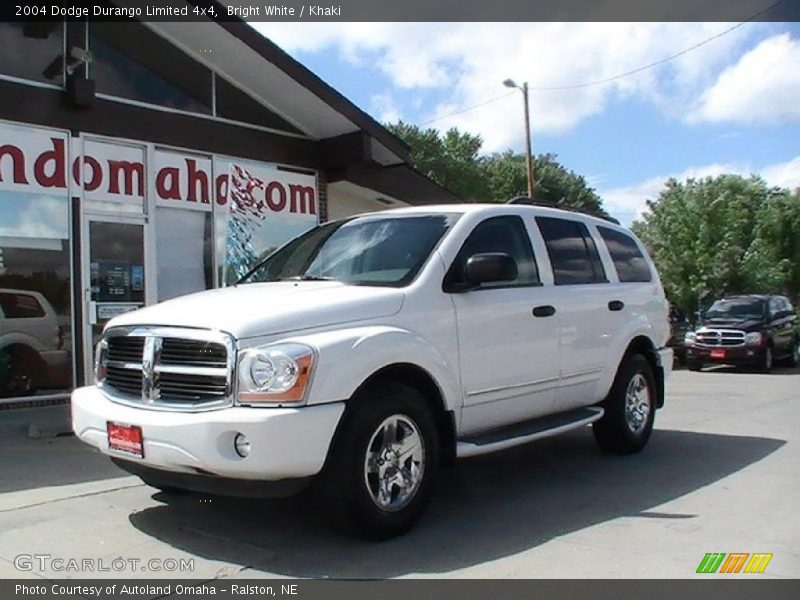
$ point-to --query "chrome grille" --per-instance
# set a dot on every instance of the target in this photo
(125, 349)
(720, 338)
(176, 351)
(168, 368)
(127, 381)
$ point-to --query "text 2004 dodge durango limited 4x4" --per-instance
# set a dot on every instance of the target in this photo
(367, 352)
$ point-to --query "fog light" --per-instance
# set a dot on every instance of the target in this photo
(242, 445)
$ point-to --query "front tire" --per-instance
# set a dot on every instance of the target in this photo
(629, 408)
(766, 363)
(794, 354)
(381, 473)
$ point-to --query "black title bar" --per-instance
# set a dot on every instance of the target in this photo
(405, 10)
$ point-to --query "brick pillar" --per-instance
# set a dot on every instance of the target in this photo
(322, 196)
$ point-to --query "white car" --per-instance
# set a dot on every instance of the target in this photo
(32, 353)
(370, 351)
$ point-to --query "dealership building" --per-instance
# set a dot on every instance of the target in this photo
(120, 145)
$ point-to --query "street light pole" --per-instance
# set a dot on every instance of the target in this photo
(528, 153)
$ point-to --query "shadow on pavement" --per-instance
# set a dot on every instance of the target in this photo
(485, 508)
(733, 370)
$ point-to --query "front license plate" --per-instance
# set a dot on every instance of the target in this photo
(718, 354)
(125, 438)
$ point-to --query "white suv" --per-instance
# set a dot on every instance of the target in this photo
(367, 352)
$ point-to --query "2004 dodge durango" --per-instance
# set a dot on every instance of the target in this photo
(367, 352)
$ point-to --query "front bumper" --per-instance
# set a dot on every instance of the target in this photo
(285, 443)
(736, 355)
(665, 357)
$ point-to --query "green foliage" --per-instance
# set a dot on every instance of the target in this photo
(450, 160)
(723, 235)
(453, 160)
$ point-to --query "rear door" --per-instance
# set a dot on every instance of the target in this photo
(583, 308)
(508, 355)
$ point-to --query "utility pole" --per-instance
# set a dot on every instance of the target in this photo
(528, 155)
(528, 152)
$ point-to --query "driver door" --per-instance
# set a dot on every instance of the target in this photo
(509, 358)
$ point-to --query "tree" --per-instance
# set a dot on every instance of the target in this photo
(453, 160)
(450, 160)
(710, 237)
(554, 183)
(778, 231)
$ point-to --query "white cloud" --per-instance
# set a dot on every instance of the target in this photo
(39, 217)
(385, 109)
(630, 202)
(466, 62)
(762, 87)
(786, 175)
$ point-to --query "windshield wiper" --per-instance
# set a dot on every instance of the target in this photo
(310, 278)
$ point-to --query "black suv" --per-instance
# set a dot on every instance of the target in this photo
(752, 330)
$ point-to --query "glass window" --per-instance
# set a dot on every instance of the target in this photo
(35, 296)
(184, 246)
(386, 251)
(130, 61)
(33, 51)
(505, 235)
(631, 265)
(234, 104)
(20, 305)
(572, 252)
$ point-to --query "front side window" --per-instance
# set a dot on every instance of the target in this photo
(379, 250)
(20, 306)
(505, 235)
(629, 261)
(572, 252)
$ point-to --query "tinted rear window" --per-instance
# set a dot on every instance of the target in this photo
(20, 306)
(631, 265)
(572, 252)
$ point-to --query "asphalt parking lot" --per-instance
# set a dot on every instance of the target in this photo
(720, 475)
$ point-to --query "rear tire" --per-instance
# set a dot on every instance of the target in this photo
(384, 462)
(694, 366)
(629, 408)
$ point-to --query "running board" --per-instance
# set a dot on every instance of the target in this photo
(522, 433)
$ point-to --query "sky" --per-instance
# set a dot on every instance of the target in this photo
(730, 105)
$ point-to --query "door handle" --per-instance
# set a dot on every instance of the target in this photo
(544, 311)
(616, 305)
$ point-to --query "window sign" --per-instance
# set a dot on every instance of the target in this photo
(267, 208)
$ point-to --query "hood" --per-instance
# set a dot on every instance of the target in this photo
(746, 325)
(258, 309)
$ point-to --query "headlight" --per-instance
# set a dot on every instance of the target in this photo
(753, 339)
(690, 338)
(100, 361)
(276, 373)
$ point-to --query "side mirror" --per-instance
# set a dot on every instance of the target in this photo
(490, 267)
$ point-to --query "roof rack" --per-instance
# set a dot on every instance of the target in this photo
(527, 200)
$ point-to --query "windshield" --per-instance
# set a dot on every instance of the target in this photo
(738, 309)
(385, 250)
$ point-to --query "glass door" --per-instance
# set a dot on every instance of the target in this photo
(115, 274)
